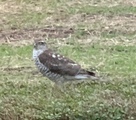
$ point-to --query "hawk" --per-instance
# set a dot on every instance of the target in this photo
(56, 67)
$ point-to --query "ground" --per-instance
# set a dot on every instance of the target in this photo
(98, 34)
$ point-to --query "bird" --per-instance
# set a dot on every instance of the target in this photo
(57, 67)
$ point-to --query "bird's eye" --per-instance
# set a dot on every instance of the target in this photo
(42, 43)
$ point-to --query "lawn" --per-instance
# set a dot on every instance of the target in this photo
(100, 35)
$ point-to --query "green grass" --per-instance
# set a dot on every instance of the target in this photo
(104, 10)
(28, 96)
(103, 40)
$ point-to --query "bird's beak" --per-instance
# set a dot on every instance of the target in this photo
(34, 45)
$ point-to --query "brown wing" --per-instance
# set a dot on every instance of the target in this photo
(59, 64)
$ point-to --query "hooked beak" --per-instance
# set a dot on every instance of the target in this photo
(35, 45)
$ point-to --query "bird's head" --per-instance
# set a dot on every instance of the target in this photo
(40, 44)
(39, 47)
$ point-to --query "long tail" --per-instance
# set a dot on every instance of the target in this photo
(85, 74)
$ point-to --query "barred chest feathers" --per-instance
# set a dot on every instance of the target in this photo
(46, 72)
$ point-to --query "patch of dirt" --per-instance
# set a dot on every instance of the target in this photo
(30, 33)
(15, 68)
(9, 7)
(21, 69)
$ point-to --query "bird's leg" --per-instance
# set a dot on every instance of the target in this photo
(52, 89)
(58, 89)
(60, 85)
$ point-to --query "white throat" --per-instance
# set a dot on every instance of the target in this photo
(36, 53)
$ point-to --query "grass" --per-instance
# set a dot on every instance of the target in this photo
(21, 91)
(103, 40)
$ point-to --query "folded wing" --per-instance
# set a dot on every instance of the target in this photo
(59, 64)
